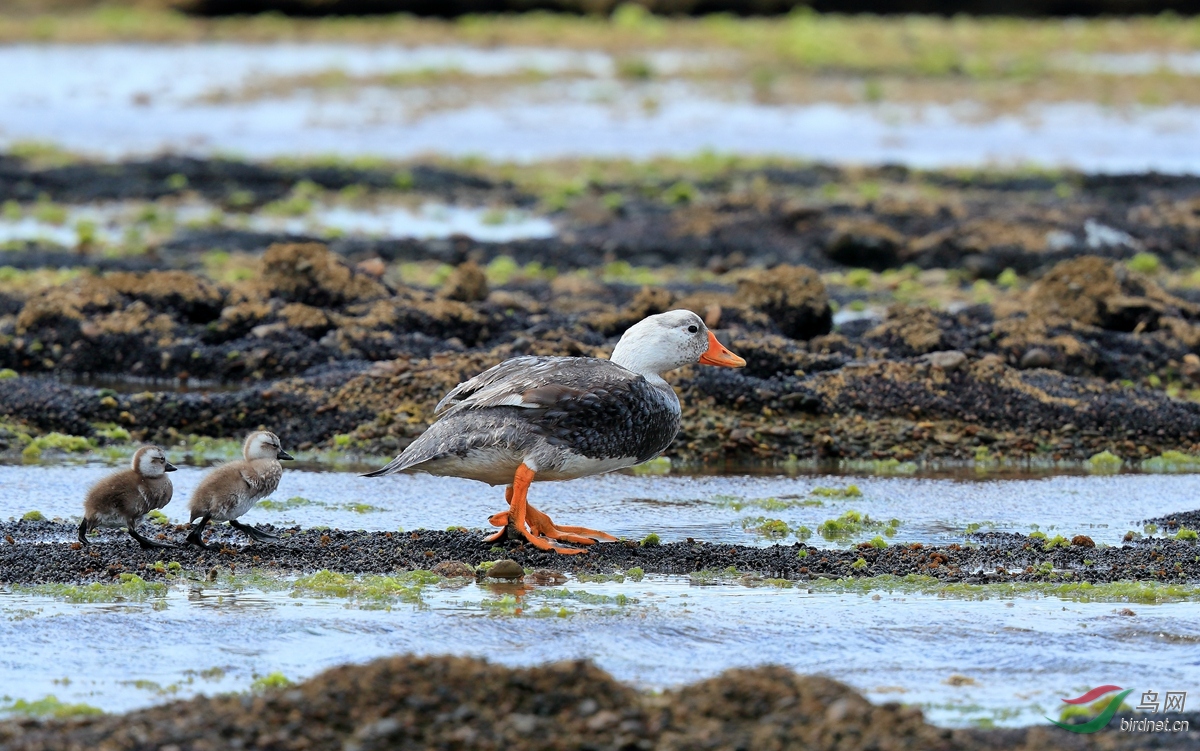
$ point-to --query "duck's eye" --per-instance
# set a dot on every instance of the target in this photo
(693, 328)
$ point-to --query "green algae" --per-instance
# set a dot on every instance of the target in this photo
(55, 441)
(618, 577)
(270, 681)
(128, 588)
(850, 491)
(154, 516)
(1058, 541)
(1172, 461)
(767, 504)
(1144, 263)
(1104, 462)
(878, 466)
(359, 507)
(658, 466)
(294, 502)
(33, 516)
(651, 540)
(853, 523)
(1147, 593)
(635, 574)
(772, 529)
(7, 373)
(369, 592)
(1186, 534)
(112, 432)
(49, 706)
(708, 577)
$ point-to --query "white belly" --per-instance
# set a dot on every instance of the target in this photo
(242, 506)
(109, 520)
(575, 466)
(497, 466)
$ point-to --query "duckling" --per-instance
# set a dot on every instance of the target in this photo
(232, 489)
(124, 497)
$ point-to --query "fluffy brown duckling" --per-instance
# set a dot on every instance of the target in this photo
(124, 497)
(232, 489)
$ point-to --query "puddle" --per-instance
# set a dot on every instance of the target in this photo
(137, 222)
(1135, 63)
(142, 99)
(135, 385)
(429, 221)
(1019, 656)
(1014, 657)
(710, 508)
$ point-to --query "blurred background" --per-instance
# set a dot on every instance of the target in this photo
(1063, 83)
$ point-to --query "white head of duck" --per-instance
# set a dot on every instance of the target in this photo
(664, 342)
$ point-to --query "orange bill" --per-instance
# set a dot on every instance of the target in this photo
(718, 355)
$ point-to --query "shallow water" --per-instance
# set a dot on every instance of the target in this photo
(675, 507)
(111, 223)
(1019, 655)
(140, 99)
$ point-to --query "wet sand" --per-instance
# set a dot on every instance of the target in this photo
(29, 557)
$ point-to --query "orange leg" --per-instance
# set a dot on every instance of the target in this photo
(540, 523)
(528, 521)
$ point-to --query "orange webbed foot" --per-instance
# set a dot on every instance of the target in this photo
(537, 528)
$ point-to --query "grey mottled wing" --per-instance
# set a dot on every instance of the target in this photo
(593, 407)
(534, 382)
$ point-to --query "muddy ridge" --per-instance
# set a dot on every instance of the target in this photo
(323, 348)
(42, 552)
(816, 215)
(467, 703)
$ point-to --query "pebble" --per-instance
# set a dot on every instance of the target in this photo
(453, 569)
(1036, 358)
(506, 569)
(948, 360)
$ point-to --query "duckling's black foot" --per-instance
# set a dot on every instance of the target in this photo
(193, 541)
(254, 532)
(147, 543)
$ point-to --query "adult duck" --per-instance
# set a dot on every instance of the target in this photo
(559, 418)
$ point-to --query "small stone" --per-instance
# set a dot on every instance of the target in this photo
(587, 707)
(948, 360)
(1082, 541)
(1125, 612)
(546, 576)
(506, 569)
(375, 267)
(602, 720)
(1036, 358)
(452, 569)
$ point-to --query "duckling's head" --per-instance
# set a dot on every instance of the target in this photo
(671, 340)
(263, 444)
(151, 461)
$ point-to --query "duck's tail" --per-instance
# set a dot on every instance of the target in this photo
(399, 464)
